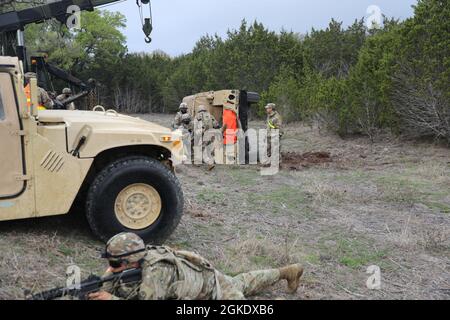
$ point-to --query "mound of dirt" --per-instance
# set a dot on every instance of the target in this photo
(297, 161)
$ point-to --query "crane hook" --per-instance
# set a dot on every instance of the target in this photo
(147, 25)
(147, 28)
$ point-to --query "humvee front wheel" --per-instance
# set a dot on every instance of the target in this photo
(138, 206)
(135, 194)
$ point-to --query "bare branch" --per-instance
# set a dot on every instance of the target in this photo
(424, 110)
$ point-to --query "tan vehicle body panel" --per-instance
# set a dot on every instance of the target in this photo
(9, 147)
(53, 176)
(104, 131)
(214, 101)
(57, 175)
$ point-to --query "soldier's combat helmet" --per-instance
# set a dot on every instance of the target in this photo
(272, 106)
(125, 247)
(67, 91)
(202, 109)
(183, 106)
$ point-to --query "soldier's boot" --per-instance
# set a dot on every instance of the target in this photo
(292, 275)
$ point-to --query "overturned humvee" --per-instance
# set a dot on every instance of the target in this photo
(219, 104)
(239, 101)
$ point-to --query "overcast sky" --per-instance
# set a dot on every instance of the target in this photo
(178, 24)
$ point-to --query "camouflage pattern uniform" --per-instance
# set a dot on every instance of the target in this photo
(187, 127)
(186, 123)
(66, 93)
(274, 122)
(203, 122)
(168, 275)
(117, 246)
(43, 97)
(177, 122)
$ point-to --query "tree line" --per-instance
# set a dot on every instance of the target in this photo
(351, 80)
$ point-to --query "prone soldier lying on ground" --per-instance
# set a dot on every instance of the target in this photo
(137, 272)
(169, 274)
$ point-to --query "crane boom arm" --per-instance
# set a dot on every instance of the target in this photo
(17, 20)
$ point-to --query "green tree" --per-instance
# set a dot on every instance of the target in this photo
(369, 108)
(93, 51)
(426, 42)
(333, 51)
(420, 91)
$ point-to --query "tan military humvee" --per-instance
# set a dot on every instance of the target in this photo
(119, 166)
(216, 101)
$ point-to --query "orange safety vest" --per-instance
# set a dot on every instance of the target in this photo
(27, 90)
(230, 121)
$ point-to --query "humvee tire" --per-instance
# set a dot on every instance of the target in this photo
(135, 194)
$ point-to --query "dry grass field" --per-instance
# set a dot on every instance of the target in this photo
(384, 204)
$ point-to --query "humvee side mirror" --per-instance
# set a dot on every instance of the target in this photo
(34, 97)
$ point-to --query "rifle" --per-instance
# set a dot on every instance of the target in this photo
(90, 285)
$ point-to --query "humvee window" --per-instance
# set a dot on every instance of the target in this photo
(2, 111)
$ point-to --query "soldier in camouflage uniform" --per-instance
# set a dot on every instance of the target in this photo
(183, 109)
(168, 274)
(206, 120)
(66, 94)
(274, 122)
(203, 122)
(44, 99)
(186, 123)
(187, 127)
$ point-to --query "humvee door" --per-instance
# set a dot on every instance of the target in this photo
(11, 153)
